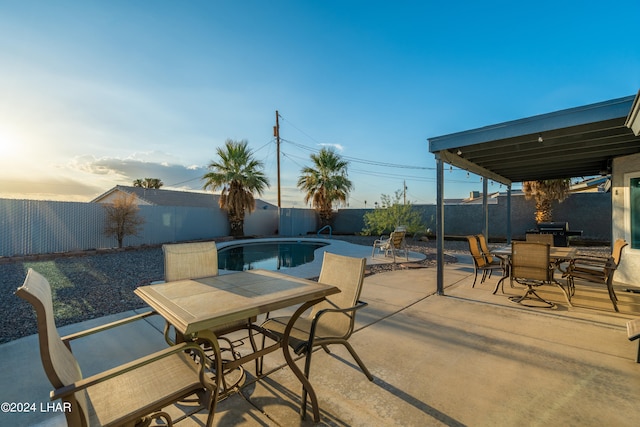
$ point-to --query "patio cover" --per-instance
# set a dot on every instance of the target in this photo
(577, 142)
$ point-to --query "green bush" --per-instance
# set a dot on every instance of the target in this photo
(391, 214)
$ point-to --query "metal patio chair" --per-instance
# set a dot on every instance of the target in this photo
(486, 264)
(540, 238)
(130, 394)
(531, 266)
(597, 270)
(194, 261)
(331, 321)
(394, 243)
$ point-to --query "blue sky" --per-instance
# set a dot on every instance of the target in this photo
(95, 94)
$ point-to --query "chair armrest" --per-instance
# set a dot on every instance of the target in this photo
(360, 304)
(302, 346)
(379, 241)
(67, 338)
(592, 262)
(127, 367)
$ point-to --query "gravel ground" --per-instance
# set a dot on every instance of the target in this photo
(95, 285)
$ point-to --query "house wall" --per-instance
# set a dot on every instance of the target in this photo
(625, 168)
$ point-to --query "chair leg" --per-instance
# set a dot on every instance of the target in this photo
(307, 369)
(358, 360)
(475, 275)
(484, 276)
(613, 297)
(528, 295)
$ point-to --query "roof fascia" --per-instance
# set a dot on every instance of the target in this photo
(633, 119)
(607, 110)
(457, 161)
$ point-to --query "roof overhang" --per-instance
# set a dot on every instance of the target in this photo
(633, 119)
(569, 143)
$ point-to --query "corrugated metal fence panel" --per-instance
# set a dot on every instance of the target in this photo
(297, 222)
(175, 224)
(35, 227)
(13, 226)
(261, 222)
(30, 227)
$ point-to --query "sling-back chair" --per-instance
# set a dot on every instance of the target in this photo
(597, 270)
(194, 261)
(481, 262)
(394, 243)
(531, 266)
(331, 321)
(127, 395)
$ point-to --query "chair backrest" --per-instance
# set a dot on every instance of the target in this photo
(346, 273)
(530, 260)
(616, 251)
(476, 253)
(59, 363)
(190, 260)
(541, 238)
(397, 238)
(484, 248)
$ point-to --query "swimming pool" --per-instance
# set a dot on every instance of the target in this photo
(267, 255)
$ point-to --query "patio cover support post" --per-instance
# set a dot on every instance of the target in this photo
(485, 209)
(439, 225)
(509, 214)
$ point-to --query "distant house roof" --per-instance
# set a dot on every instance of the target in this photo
(159, 197)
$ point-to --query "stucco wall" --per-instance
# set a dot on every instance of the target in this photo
(629, 269)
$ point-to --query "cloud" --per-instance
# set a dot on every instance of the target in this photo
(337, 147)
(52, 188)
(140, 166)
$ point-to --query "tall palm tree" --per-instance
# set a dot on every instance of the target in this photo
(325, 182)
(544, 192)
(239, 175)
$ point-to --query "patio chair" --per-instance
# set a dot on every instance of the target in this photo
(133, 393)
(332, 320)
(597, 270)
(531, 266)
(486, 264)
(394, 243)
(541, 238)
(194, 261)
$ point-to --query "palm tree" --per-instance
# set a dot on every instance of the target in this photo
(544, 192)
(148, 183)
(325, 183)
(239, 175)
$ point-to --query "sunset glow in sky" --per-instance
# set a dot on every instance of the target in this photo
(96, 94)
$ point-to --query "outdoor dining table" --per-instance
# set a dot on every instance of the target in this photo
(557, 255)
(196, 306)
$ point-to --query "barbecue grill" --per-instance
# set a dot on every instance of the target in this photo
(560, 231)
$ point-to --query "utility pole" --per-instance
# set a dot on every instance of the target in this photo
(276, 133)
(404, 186)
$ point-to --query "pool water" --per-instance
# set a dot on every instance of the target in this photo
(268, 256)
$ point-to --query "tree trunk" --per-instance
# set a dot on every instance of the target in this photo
(237, 228)
(543, 211)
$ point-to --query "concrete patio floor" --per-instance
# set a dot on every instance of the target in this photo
(468, 358)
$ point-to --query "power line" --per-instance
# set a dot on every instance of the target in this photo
(358, 160)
